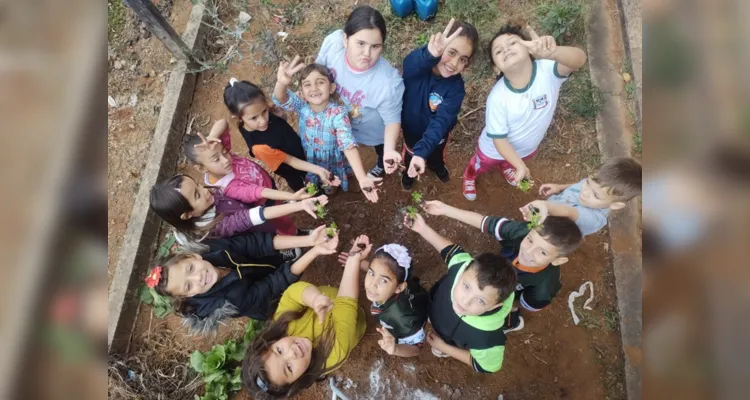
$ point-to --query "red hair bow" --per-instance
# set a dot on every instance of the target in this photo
(153, 278)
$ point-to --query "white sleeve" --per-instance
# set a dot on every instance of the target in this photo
(332, 42)
(496, 117)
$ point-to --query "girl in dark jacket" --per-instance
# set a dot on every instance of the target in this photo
(239, 276)
(399, 303)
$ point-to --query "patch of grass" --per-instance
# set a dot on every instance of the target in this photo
(476, 12)
(562, 19)
(637, 143)
(422, 39)
(581, 97)
(612, 319)
(115, 17)
(630, 88)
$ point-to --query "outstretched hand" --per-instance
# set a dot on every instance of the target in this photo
(206, 142)
(288, 69)
(388, 342)
(439, 42)
(416, 167)
(539, 47)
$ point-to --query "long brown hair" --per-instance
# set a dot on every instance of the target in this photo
(169, 204)
(253, 366)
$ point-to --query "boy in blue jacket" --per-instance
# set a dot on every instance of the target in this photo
(434, 91)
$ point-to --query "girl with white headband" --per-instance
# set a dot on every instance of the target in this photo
(399, 303)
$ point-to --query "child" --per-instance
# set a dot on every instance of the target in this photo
(588, 202)
(469, 304)
(434, 91)
(238, 276)
(522, 103)
(368, 83)
(536, 253)
(313, 332)
(399, 302)
(199, 213)
(269, 137)
(323, 124)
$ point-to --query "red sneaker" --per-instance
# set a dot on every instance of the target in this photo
(510, 176)
(470, 189)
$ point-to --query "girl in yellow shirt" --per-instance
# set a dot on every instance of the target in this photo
(313, 332)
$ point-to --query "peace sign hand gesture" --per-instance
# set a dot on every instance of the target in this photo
(439, 42)
(288, 69)
(539, 47)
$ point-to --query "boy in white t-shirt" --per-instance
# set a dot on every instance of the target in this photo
(521, 104)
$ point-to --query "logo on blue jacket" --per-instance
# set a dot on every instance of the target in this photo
(435, 100)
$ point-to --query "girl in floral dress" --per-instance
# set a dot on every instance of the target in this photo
(324, 125)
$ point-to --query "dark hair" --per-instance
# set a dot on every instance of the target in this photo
(392, 264)
(507, 29)
(180, 306)
(621, 176)
(469, 32)
(191, 154)
(238, 94)
(253, 366)
(496, 271)
(561, 232)
(323, 70)
(169, 204)
(365, 17)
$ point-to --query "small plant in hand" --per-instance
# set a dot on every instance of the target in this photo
(220, 366)
(331, 230)
(311, 189)
(525, 185)
(536, 218)
(411, 215)
(320, 211)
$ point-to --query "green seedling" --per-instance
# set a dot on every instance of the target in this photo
(417, 198)
(536, 219)
(311, 189)
(525, 185)
(320, 211)
(331, 230)
(411, 215)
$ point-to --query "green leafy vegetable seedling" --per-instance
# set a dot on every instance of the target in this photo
(536, 218)
(525, 185)
(411, 215)
(417, 198)
(311, 189)
(320, 211)
(331, 230)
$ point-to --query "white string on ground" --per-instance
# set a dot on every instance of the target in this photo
(337, 393)
(574, 294)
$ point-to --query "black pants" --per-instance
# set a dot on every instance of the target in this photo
(379, 151)
(294, 178)
(435, 161)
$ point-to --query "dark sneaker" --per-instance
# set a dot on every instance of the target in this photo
(514, 322)
(376, 172)
(443, 175)
(291, 254)
(406, 182)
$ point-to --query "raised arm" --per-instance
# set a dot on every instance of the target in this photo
(349, 286)
(435, 207)
(284, 78)
(569, 59)
(418, 225)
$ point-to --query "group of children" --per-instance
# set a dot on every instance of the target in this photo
(242, 253)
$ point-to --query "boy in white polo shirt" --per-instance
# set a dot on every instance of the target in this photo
(521, 104)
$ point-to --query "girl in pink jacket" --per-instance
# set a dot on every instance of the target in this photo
(236, 177)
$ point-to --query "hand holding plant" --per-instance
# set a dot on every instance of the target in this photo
(435, 207)
(317, 236)
(310, 205)
(415, 223)
(535, 213)
(328, 247)
(301, 194)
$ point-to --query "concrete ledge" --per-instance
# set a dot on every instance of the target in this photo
(615, 140)
(141, 235)
(632, 35)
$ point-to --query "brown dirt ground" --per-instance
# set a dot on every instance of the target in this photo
(550, 358)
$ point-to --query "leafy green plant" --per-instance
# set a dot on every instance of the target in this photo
(218, 366)
(525, 185)
(411, 215)
(561, 19)
(311, 189)
(581, 97)
(165, 248)
(320, 211)
(536, 219)
(422, 39)
(162, 305)
(331, 230)
(417, 198)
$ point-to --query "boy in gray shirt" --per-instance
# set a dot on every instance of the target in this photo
(589, 201)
